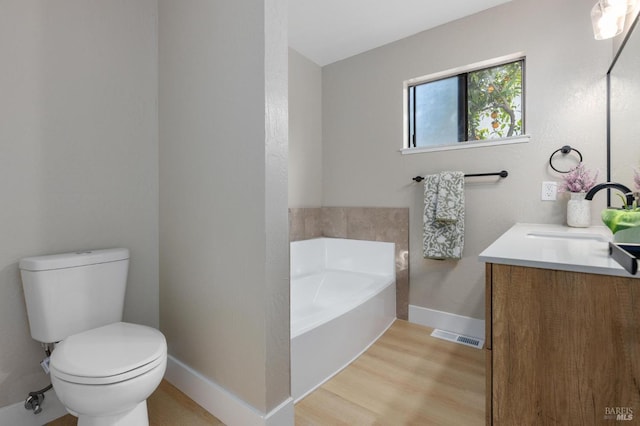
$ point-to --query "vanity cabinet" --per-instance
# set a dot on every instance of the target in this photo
(563, 348)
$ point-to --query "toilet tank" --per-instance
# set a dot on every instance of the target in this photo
(73, 292)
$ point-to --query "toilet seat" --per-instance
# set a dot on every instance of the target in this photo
(108, 354)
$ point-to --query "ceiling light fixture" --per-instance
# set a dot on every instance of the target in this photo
(607, 18)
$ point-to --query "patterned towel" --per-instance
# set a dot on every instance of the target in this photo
(443, 236)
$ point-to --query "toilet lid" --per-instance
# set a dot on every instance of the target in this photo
(108, 354)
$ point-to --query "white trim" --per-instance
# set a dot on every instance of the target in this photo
(446, 321)
(282, 415)
(17, 415)
(217, 400)
(501, 60)
(467, 144)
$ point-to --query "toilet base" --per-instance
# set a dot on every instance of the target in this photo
(136, 417)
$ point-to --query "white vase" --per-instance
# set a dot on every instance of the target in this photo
(578, 211)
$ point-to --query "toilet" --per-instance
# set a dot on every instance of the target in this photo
(102, 369)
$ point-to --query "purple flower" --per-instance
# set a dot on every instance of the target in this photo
(636, 179)
(579, 179)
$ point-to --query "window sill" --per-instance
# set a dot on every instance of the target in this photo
(464, 145)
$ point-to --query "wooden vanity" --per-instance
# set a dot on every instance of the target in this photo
(562, 339)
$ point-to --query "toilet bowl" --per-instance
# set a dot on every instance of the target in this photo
(102, 369)
(104, 375)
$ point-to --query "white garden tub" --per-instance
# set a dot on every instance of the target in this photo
(343, 297)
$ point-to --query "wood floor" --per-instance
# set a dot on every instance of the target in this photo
(406, 378)
(167, 406)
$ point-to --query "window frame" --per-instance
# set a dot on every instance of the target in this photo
(457, 72)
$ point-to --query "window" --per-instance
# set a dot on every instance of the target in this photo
(485, 103)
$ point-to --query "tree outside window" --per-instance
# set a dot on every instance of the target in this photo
(495, 102)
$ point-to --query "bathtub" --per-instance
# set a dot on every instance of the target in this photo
(343, 297)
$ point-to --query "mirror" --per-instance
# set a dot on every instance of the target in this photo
(624, 113)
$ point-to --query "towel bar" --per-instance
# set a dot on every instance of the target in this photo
(502, 174)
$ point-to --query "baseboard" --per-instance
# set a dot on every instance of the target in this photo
(227, 407)
(17, 415)
(446, 321)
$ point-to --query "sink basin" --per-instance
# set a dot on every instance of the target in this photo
(570, 236)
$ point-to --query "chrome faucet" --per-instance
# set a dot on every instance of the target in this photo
(620, 187)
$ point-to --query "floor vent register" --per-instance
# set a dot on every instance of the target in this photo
(458, 338)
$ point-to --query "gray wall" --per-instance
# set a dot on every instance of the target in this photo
(78, 154)
(223, 193)
(305, 132)
(629, 20)
(362, 132)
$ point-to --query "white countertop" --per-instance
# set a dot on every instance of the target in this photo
(556, 247)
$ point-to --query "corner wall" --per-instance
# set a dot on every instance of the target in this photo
(305, 132)
(224, 275)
